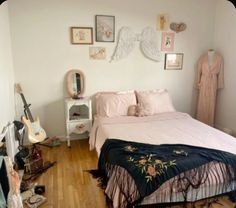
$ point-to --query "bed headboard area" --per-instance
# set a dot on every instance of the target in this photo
(132, 103)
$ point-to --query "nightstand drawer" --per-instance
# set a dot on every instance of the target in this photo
(79, 127)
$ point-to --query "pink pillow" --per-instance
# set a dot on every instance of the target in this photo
(115, 104)
(154, 102)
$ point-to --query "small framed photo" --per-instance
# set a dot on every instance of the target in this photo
(167, 41)
(174, 61)
(97, 53)
(162, 22)
(105, 28)
(82, 35)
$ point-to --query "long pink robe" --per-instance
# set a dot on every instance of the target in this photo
(209, 79)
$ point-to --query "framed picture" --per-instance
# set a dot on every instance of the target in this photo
(105, 28)
(167, 41)
(97, 53)
(162, 22)
(174, 61)
(82, 35)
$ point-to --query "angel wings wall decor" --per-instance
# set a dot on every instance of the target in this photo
(127, 40)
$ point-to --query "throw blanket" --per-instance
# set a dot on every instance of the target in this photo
(152, 165)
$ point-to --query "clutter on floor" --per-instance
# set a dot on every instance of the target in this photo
(51, 142)
(17, 186)
(29, 161)
(34, 166)
(33, 198)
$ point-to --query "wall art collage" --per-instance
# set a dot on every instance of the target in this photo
(105, 32)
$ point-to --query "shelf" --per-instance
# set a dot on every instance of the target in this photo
(85, 135)
(77, 112)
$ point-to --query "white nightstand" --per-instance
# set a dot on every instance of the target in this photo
(78, 118)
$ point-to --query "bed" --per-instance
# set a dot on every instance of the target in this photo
(165, 127)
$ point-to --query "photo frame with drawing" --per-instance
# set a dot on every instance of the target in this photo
(82, 35)
(174, 61)
(97, 53)
(105, 28)
(167, 41)
(162, 22)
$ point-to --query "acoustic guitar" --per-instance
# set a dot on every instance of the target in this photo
(36, 133)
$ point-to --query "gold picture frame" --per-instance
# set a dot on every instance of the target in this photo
(82, 35)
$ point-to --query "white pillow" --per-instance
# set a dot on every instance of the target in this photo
(115, 103)
(154, 101)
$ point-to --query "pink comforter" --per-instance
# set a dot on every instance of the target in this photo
(165, 128)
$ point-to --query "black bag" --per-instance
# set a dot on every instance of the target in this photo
(20, 157)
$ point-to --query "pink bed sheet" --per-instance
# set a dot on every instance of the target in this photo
(164, 128)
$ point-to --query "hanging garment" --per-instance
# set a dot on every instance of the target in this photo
(13, 199)
(210, 77)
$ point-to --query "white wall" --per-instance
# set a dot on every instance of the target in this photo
(43, 53)
(225, 43)
(6, 70)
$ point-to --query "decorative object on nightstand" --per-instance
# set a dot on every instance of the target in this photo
(78, 118)
(75, 83)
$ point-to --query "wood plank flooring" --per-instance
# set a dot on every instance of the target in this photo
(69, 186)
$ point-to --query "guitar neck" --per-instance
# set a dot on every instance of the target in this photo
(26, 107)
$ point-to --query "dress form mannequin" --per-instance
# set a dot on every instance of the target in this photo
(211, 54)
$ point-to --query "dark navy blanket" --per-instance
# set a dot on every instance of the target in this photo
(152, 165)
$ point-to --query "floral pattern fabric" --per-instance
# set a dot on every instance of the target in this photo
(149, 165)
(152, 165)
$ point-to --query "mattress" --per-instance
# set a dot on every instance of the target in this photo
(165, 128)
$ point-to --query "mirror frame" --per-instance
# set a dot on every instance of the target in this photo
(69, 83)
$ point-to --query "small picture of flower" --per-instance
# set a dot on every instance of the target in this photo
(97, 53)
(105, 28)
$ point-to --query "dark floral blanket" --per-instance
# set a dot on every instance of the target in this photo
(152, 165)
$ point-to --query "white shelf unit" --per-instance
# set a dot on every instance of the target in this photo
(78, 118)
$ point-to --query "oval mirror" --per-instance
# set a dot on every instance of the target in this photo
(75, 83)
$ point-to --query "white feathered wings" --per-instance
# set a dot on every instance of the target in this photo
(126, 44)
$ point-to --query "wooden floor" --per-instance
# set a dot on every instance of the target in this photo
(68, 185)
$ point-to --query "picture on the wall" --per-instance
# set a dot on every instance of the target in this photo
(82, 35)
(97, 53)
(167, 41)
(174, 61)
(162, 22)
(105, 28)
